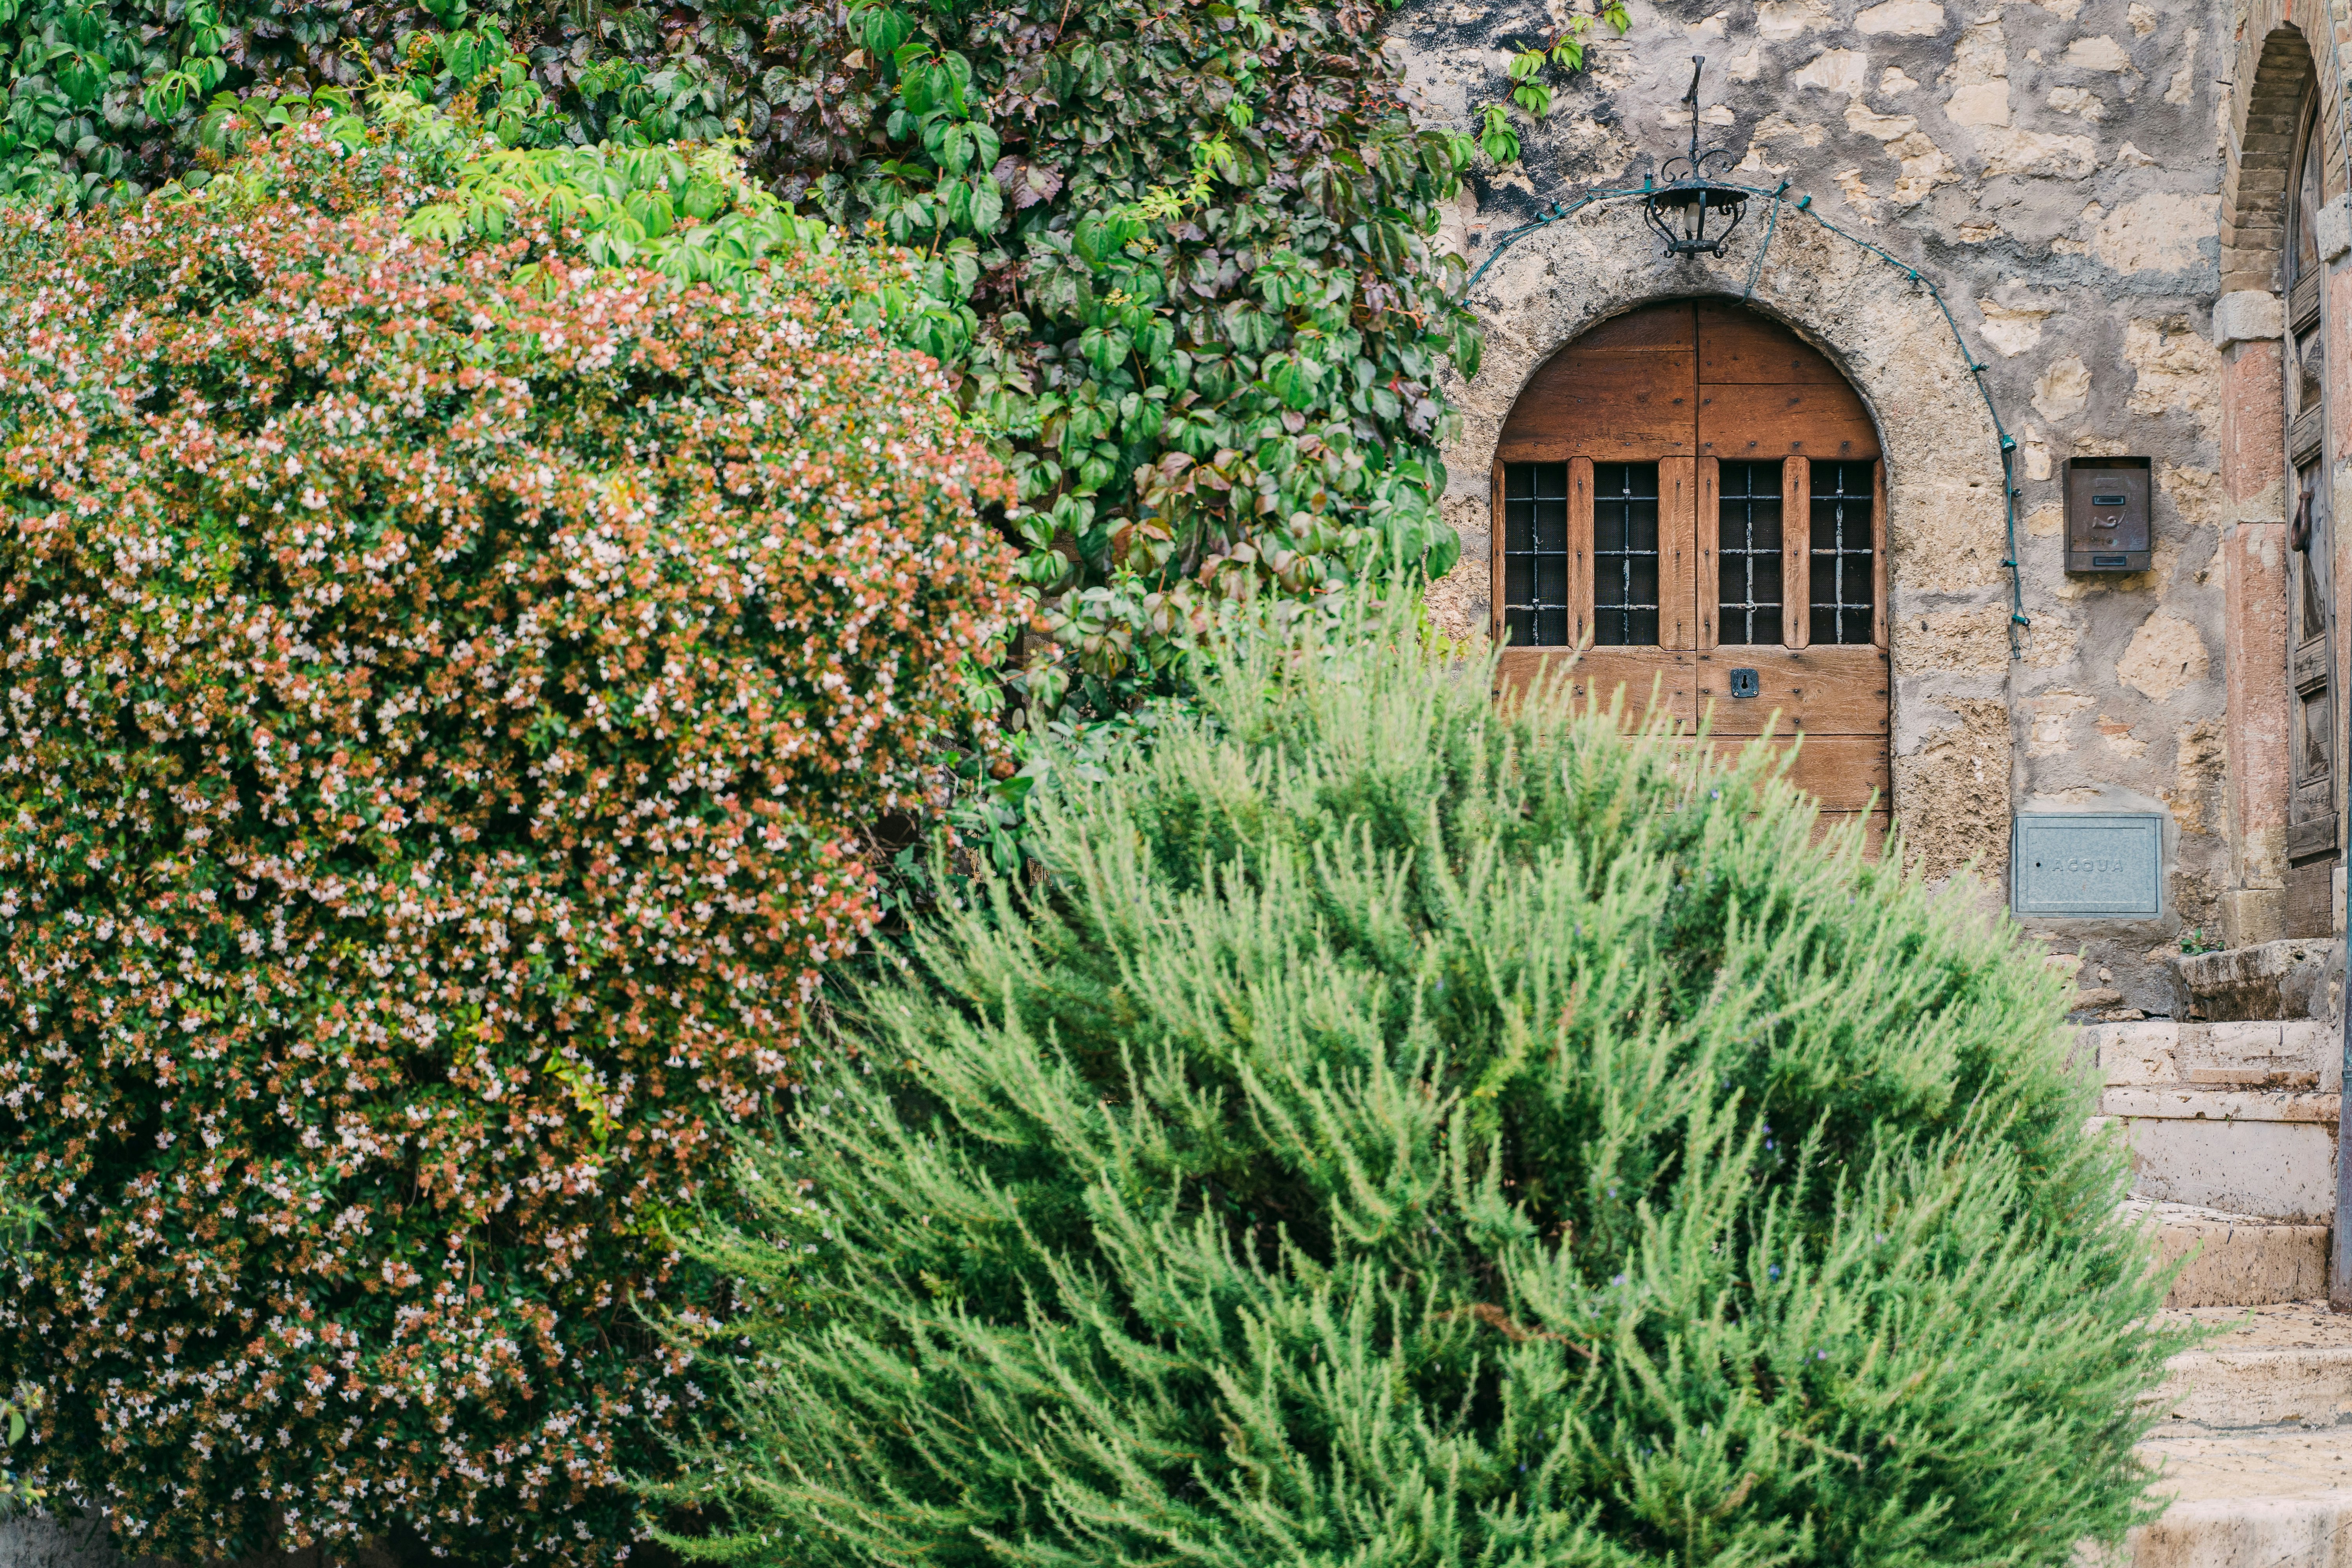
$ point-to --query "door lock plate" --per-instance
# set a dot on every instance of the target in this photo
(1746, 683)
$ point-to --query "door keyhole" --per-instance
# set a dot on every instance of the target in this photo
(1746, 683)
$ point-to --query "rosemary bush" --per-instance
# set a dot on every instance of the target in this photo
(1397, 1129)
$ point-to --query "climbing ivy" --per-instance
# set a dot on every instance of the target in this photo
(105, 100)
(1208, 325)
(1532, 68)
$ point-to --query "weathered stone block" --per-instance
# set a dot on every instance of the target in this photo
(2282, 1172)
(2289, 979)
(2332, 230)
(2247, 316)
(2237, 1261)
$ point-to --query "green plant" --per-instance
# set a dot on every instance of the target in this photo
(18, 1489)
(2194, 941)
(19, 1228)
(107, 100)
(1397, 1129)
(446, 689)
(1181, 254)
(1531, 68)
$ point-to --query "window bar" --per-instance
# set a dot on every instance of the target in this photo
(1748, 554)
(1844, 571)
(1626, 554)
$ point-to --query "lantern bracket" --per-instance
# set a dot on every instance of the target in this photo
(1688, 203)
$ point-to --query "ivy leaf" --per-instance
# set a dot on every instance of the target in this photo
(918, 85)
(885, 31)
(987, 206)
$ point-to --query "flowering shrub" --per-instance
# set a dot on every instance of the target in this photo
(437, 708)
(1187, 250)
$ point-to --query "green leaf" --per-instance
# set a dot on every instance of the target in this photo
(919, 81)
(987, 206)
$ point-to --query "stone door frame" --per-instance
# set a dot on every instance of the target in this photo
(1947, 597)
(2280, 63)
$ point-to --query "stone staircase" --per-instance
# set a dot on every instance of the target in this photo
(2253, 1444)
(2232, 1132)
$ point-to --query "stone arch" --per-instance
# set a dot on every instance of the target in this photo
(1947, 595)
(2284, 58)
(2276, 67)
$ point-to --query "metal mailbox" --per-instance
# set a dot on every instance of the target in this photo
(2107, 514)
(2087, 865)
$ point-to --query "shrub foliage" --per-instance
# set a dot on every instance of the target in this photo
(1185, 251)
(444, 690)
(1400, 1131)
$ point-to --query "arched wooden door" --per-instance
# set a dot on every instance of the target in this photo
(2312, 846)
(1699, 492)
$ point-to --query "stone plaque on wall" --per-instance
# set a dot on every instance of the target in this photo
(2087, 865)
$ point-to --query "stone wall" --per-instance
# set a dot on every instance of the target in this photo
(37, 1540)
(2056, 169)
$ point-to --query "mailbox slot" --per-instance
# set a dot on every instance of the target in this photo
(2107, 514)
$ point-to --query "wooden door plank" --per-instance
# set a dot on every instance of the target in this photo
(1843, 773)
(1796, 552)
(1784, 418)
(1873, 826)
(1879, 608)
(1615, 410)
(1825, 691)
(1670, 328)
(1624, 392)
(1736, 345)
(1579, 549)
(1497, 527)
(1600, 675)
(1706, 541)
(1678, 573)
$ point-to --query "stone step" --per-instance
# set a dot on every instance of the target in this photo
(2289, 1363)
(2214, 1155)
(2238, 1117)
(2300, 1054)
(2250, 1451)
(2279, 1499)
(2239, 1260)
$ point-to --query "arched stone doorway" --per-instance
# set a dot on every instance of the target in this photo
(2314, 850)
(2281, 326)
(1699, 492)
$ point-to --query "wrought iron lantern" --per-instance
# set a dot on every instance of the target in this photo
(1684, 201)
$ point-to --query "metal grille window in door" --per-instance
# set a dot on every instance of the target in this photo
(1748, 603)
(1536, 555)
(1844, 573)
(1626, 554)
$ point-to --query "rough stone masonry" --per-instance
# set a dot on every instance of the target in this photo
(2060, 168)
